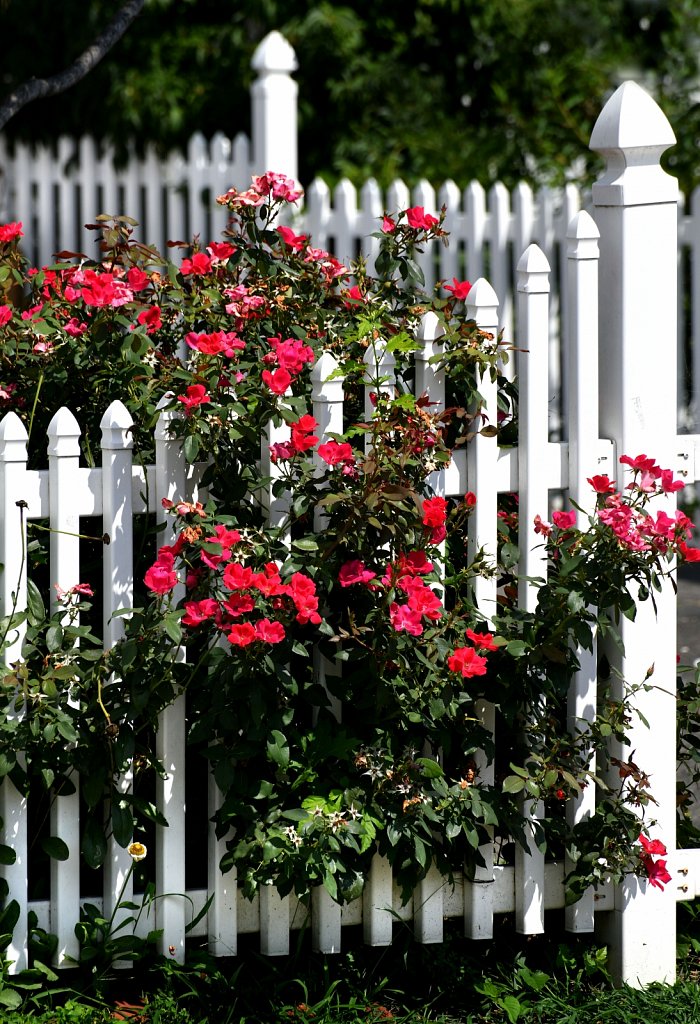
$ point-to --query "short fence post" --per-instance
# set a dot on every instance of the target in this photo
(274, 108)
(636, 212)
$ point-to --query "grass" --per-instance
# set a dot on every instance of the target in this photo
(511, 980)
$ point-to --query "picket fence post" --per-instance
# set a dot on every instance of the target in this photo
(533, 339)
(64, 518)
(274, 107)
(482, 459)
(635, 205)
(582, 379)
(13, 597)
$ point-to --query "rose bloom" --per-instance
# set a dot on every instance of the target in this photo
(8, 232)
(354, 572)
(460, 289)
(242, 634)
(417, 218)
(434, 512)
(467, 661)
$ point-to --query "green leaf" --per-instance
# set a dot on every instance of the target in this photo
(278, 749)
(65, 727)
(305, 544)
(10, 998)
(122, 822)
(54, 638)
(510, 554)
(7, 855)
(190, 447)
(35, 604)
(516, 648)
(55, 847)
(430, 768)
(172, 627)
(575, 603)
(513, 1008)
(513, 784)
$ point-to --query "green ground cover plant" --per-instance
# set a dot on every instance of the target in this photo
(545, 980)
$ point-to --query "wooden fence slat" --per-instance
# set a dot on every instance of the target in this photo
(222, 916)
(64, 561)
(428, 913)
(171, 908)
(424, 195)
(582, 260)
(482, 535)
(274, 922)
(117, 576)
(325, 922)
(377, 897)
(533, 327)
(13, 597)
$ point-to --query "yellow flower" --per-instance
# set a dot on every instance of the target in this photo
(137, 850)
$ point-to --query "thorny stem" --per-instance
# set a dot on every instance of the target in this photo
(21, 505)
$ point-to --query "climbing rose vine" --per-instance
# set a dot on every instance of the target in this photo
(313, 603)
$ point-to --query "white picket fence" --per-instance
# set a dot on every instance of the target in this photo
(621, 275)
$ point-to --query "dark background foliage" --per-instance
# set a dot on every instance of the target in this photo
(486, 89)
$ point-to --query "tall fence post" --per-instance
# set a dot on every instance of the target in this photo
(636, 211)
(274, 108)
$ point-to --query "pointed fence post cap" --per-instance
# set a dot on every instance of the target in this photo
(274, 54)
(582, 237)
(482, 303)
(533, 270)
(632, 132)
(64, 434)
(13, 439)
(116, 427)
(323, 389)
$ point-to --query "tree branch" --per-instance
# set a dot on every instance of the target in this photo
(38, 88)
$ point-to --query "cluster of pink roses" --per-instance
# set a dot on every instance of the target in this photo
(266, 188)
(402, 575)
(634, 528)
(289, 356)
(259, 594)
(421, 603)
(416, 218)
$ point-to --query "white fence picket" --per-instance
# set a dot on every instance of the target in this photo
(117, 585)
(14, 509)
(171, 908)
(482, 536)
(64, 563)
(582, 260)
(377, 904)
(325, 922)
(533, 321)
(222, 916)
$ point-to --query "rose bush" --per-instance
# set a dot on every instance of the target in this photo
(320, 587)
